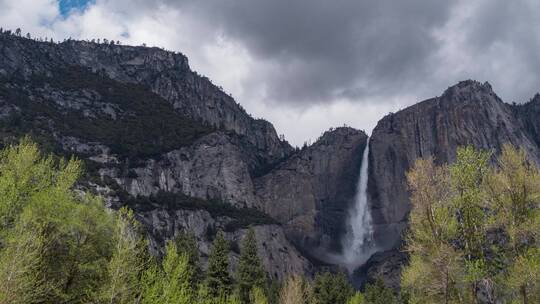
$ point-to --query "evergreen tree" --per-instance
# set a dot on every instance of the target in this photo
(331, 288)
(218, 280)
(378, 293)
(152, 284)
(250, 272)
(178, 277)
(186, 243)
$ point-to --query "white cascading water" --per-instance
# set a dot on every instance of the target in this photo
(358, 241)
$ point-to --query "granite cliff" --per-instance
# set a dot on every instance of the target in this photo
(161, 139)
(165, 141)
(469, 113)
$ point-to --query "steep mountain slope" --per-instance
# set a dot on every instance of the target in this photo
(146, 125)
(311, 192)
(469, 113)
(159, 138)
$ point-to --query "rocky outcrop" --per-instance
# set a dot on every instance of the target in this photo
(469, 113)
(166, 73)
(310, 193)
(145, 124)
(213, 168)
(279, 257)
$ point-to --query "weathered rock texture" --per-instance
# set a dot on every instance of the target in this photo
(311, 192)
(145, 124)
(469, 113)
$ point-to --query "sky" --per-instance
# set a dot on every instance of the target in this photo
(309, 65)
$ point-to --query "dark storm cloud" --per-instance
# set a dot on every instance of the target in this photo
(513, 26)
(325, 49)
(315, 51)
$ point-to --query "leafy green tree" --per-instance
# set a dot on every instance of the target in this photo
(128, 261)
(435, 272)
(295, 291)
(331, 288)
(170, 283)
(457, 213)
(358, 298)
(257, 296)
(186, 243)
(514, 196)
(250, 272)
(62, 237)
(152, 284)
(178, 277)
(218, 280)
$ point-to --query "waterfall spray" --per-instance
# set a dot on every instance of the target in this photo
(358, 241)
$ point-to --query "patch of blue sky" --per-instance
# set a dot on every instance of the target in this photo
(66, 6)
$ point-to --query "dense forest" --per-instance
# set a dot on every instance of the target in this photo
(474, 236)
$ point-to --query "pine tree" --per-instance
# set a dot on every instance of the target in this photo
(331, 288)
(186, 243)
(250, 272)
(178, 277)
(378, 293)
(218, 280)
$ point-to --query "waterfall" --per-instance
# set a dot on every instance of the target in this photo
(358, 241)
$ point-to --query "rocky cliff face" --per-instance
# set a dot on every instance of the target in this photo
(311, 192)
(469, 113)
(165, 141)
(165, 73)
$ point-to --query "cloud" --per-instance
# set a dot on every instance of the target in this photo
(319, 63)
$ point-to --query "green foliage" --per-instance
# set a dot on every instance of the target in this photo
(250, 272)
(378, 293)
(186, 243)
(295, 291)
(178, 277)
(173, 282)
(473, 224)
(329, 288)
(218, 280)
(257, 296)
(358, 298)
(130, 257)
(152, 284)
(63, 239)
